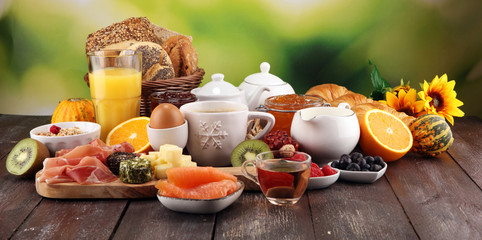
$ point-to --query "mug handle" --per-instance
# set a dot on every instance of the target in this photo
(265, 116)
(246, 173)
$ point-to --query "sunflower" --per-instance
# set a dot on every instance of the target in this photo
(440, 98)
(405, 87)
(405, 101)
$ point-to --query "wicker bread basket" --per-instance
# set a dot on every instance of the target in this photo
(184, 83)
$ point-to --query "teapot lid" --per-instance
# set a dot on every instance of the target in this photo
(264, 77)
(218, 87)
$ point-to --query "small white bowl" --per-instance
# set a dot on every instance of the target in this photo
(324, 181)
(91, 131)
(361, 176)
(199, 206)
(176, 135)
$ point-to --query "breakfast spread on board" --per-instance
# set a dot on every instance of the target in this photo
(188, 134)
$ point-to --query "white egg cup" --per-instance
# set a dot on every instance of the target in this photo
(175, 135)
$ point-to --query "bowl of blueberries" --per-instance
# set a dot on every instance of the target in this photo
(355, 167)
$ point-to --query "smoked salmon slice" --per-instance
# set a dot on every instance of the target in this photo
(197, 183)
(193, 177)
(210, 190)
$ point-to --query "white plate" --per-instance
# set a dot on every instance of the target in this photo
(323, 182)
(200, 206)
(360, 176)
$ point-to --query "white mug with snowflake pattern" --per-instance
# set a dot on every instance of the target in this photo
(217, 127)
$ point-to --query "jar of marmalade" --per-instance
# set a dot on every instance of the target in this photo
(283, 108)
(177, 98)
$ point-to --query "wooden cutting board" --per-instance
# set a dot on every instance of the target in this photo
(116, 189)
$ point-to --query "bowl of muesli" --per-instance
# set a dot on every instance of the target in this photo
(65, 135)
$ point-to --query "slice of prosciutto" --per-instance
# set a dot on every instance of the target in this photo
(96, 148)
(85, 164)
(90, 170)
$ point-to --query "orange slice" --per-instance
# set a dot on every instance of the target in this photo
(383, 134)
(133, 131)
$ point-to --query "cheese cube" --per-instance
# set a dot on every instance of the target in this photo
(160, 170)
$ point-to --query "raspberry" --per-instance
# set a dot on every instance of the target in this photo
(327, 170)
(316, 171)
(276, 139)
(54, 129)
(298, 157)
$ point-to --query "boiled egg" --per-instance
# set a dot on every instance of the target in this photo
(166, 115)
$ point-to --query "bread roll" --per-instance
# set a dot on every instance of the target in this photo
(158, 72)
(328, 91)
(183, 55)
(153, 56)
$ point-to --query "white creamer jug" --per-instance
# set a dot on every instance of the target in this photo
(326, 132)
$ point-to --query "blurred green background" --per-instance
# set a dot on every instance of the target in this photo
(307, 42)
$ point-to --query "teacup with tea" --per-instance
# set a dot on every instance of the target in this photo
(282, 176)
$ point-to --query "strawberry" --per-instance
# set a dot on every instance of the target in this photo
(327, 170)
(316, 171)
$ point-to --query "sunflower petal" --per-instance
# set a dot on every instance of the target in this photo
(450, 85)
(450, 119)
(392, 100)
(425, 86)
(454, 111)
(418, 106)
(411, 96)
(443, 79)
(457, 102)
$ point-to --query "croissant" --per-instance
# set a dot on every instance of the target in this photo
(351, 98)
(328, 91)
(360, 104)
(361, 109)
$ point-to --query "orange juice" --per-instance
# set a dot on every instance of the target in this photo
(116, 94)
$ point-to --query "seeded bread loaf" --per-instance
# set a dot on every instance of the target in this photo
(156, 64)
(135, 28)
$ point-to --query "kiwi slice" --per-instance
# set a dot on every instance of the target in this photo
(247, 150)
(26, 157)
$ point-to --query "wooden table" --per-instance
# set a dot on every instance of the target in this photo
(418, 198)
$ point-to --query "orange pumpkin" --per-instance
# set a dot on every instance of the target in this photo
(74, 109)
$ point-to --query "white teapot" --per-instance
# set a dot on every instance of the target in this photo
(219, 90)
(259, 86)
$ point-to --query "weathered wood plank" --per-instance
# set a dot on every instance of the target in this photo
(15, 128)
(148, 219)
(467, 147)
(253, 217)
(441, 201)
(348, 210)
(17, 195)
(66, 219)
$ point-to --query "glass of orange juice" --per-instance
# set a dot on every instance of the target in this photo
(115, 78)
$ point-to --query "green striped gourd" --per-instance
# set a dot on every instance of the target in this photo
(431, 135)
